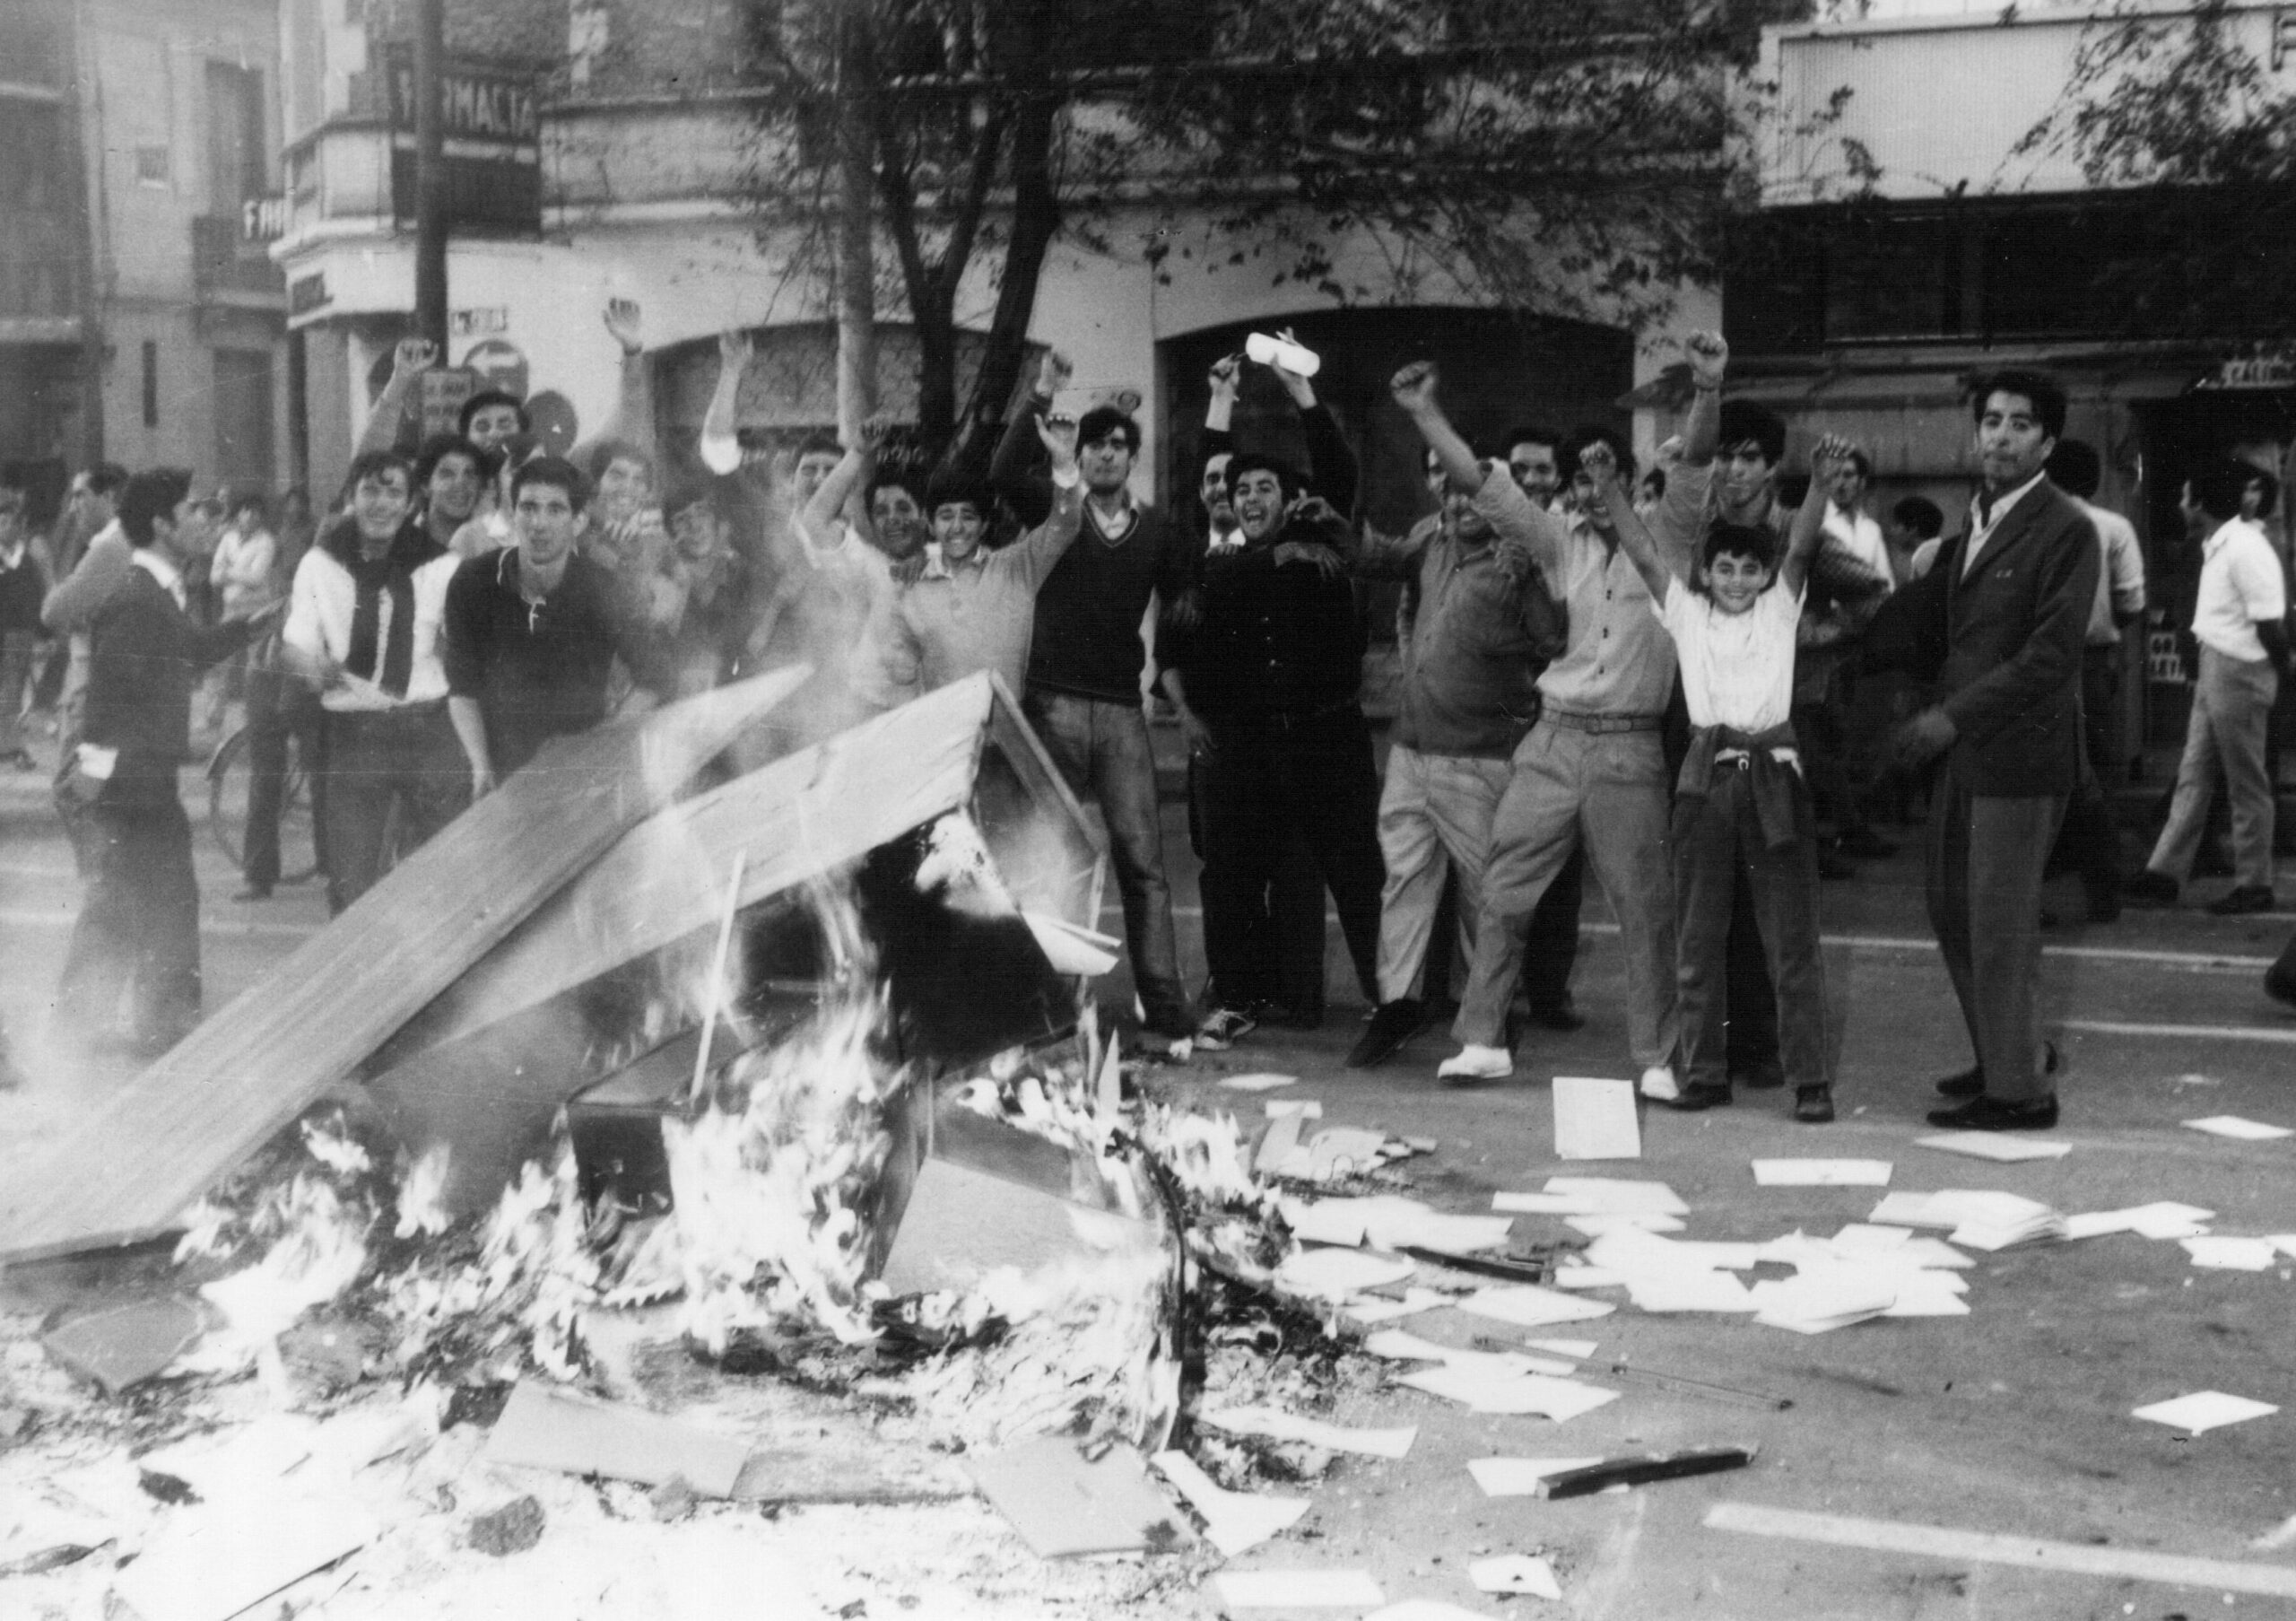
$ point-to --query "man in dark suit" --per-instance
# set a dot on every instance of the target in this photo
(139, 926)
(1998, 623)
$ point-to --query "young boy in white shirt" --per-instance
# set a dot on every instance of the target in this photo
(1741, 796)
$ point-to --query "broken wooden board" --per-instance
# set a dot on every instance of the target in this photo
(142, 1154)
(1063, 1505)
(547, 1429)
(814, 812)
(126, 1343)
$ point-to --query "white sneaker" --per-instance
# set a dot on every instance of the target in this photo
(1474, 1063)
(1658, 1083)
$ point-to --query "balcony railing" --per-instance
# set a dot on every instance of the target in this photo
(223, 262)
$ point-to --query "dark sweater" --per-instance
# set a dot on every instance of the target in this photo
(1273, 639)
(145, 655)
(1087, 641)
(22, 587)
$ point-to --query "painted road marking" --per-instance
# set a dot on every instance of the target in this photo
(1940, 1542)
(2185, 1033)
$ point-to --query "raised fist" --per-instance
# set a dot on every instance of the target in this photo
(1710, 357)
(1414, 386)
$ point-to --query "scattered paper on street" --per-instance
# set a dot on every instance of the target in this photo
(2232, 1254)
(1371, 1310)
(1595, 1118)
(1291, 1426)
(2233, 1126)
(1520, 1476)
(1995, 1145)
(1391, 1222)
(1821, 1174)
(1595, 1226)
(1515, 1574)
(1579, 1349)
(1234, 1523)
(1485, 1389)
(1298, 1589)
(1530, 1306)
(1398, 1345)
(2165, 1219)
(1258, 1082)
(2205, 1410)
(1425, 1610)
(1335, 1274)
(218, 1559)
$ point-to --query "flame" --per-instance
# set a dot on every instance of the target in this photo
(423, 1196)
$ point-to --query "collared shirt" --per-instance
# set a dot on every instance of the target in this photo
(537, 669)
(2240, 588)
(321, 605)
(1619, 660)
(171, 578)
(1982, 523)
(2121, 582)
(1737, 668)
(1861, 538)
(980, 614)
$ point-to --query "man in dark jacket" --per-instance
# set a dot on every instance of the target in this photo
(139, 927)
(1998, 623)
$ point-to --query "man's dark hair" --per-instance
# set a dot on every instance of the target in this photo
(2046, 393)
(156, 493)
(1529, 434)
(948, 488)
(437, 449)
(1106, 421)
(2076, 467)
(2257, 475)
(820, 444)
(895, 478)
(1757, 543)
(1588, 433)
(1287, 481)
(250, 500)
(106, 478)
(553, 472)
(690, 492)
(484, 398)
(1204, 463)
(1861, 461)
(2219, 483)
(373, 464)
(1743, 421)
(1921, 515)
(597, 457)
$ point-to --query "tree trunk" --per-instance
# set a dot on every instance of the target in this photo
(1036, 221)
(857, 203)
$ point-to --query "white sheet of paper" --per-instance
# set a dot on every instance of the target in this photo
(1336, 1274)
(1298, 1589)
(1289, 1426)
(1437, 1230)
(1864, 1237)
(1369, 1310)
(1611, 1193)
(1691, 1292)
(2232, 1254)
(215, 1559)
(1425, 1610)
(1929, 1294)
(1264, 1082)
(1529, 1306)
(1234, 1521)
(2233, 1126)
(1595, 1118)
(1485, 1391)
(1821, 1174)
(1306, 1108)
(1588, 1278)
(2203, 1410)
(1578, 1349)
(1399, 1344)
(1520, 1476)
(1323, 1221)
(1595, 1226)
(1994, 1145)
(1515, 1574)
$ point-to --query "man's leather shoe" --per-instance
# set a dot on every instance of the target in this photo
(1968, 1083)
(2240, 902)
(2149, 888)
(1392, 1024)
(1991, 1114)
(1814, 1105)
(1699, 1096)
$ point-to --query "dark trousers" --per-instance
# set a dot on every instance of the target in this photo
(1273, 778)
(279, 707)
(406, 758)
(1823, 744)
(1264, 946)
(1719, 851)
(2088, 843)
(1985, 859)
(138, 929)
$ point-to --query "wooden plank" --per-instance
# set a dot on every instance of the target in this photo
(806, 814)
(141, 1155)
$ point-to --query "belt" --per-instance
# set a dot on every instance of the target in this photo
(1602, 723)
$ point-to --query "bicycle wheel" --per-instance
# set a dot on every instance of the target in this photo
(299, 846)
(229, 773)
(227, 796)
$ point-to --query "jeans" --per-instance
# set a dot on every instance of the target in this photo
(1984, 859)
(280, 706)
(408, 758)
(138, 929)
(1607, 790)
(1275, 780)
(1102, 751)
(2231, 708)
(1718, 846)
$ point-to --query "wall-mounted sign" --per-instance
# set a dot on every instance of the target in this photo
(263, 218)
(494, 154)
(478, 323)
(307, 294)
(444, 390)
(2260, 369)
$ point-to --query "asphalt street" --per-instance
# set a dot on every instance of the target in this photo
(2013, 1422)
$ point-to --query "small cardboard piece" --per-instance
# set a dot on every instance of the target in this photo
(546, 1429)
(124, 1344)
(1063, 1505)
(1596, 1120)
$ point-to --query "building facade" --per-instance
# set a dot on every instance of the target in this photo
(140, 317)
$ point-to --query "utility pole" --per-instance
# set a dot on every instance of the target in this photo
(431, 172)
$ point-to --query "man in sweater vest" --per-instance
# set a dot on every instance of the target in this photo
(139, 927)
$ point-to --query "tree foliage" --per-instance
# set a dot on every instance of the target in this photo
(1565, 159)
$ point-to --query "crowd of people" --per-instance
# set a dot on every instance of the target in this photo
(1671, 682)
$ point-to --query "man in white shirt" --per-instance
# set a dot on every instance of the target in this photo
(364, 626)
(2238, 620)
